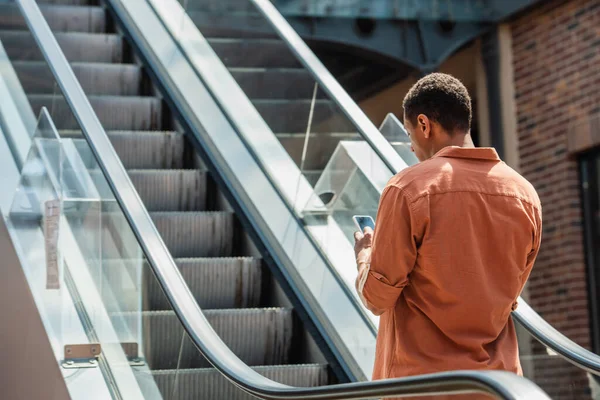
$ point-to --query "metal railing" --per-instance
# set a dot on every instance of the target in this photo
(554, 340)
(501, 384)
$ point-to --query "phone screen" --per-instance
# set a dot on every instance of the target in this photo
(363, 221)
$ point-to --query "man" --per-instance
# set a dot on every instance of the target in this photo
(455, 239)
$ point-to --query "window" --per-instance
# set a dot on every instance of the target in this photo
(590, 180)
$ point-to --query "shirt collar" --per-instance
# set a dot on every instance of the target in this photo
(476, 153)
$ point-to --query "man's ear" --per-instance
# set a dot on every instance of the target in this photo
(424, 125)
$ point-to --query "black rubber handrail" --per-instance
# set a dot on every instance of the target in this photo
(554, 340)
(501, 384)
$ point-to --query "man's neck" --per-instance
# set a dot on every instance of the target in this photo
(458, 139)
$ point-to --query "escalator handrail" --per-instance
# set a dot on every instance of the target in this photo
(554, 340)
(543, 331)
(331, 86)
(502, 384)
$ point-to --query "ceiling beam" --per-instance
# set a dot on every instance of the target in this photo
(407, 10)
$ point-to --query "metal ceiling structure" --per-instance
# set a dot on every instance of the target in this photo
(418, 33)
(405, 10)
(392, 38)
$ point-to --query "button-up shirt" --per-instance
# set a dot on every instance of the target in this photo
(455, 239)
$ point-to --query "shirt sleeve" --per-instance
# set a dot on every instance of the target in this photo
(535, 249)
(393, 255)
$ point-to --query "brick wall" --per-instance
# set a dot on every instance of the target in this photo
(556, 50)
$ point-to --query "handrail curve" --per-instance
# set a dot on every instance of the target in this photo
(546, 334)
(501, 384)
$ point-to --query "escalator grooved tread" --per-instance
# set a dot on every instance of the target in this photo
(196, 234)
(114, 112)
(208, 383)
(171, 189)
(60, 17)
(259, 336)
(96, 78)
(77, 46)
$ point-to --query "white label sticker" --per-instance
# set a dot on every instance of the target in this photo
(51, 221)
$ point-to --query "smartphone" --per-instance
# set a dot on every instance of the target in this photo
(362, 221)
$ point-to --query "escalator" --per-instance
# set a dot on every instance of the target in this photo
(218, 261)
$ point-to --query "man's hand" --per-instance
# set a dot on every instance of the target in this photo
(362, 246)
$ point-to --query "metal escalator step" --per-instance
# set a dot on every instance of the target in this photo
(143, 149)
(149, 150)
(115, 112)
(217, 283)
(259, 336)
(232, 25)
(77, 46)
(319, 150)
(171, 190)
(221, 7)
(292, 116)
(70, 2)
(275, 83)
(208, 383)
(272, 53)
(60, 18)
(196, 234)
(95, 78)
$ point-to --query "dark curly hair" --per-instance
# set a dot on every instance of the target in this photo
(442, 98)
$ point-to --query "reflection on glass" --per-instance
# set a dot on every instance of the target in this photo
(350, 185)
(34, 215)
(557, 377)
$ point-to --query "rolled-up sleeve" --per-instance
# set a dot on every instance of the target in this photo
(393, 255)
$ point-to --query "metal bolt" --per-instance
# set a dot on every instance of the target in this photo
(70, 362)
(92, 361)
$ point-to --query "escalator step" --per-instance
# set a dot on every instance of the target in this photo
(77, 46)
(115, 112)
(222, 7)
(217, 283)
(208, 383)
(275, 83)
(70, 2)
(60, 18)
(149, 150)
(143, 149)
(249, 53)
(247, 25)
(293, 115)
(95, 78)
(196, 234)
(259, 336)
(171, 190)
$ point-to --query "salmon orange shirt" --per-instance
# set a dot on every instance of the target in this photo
(455, 239)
